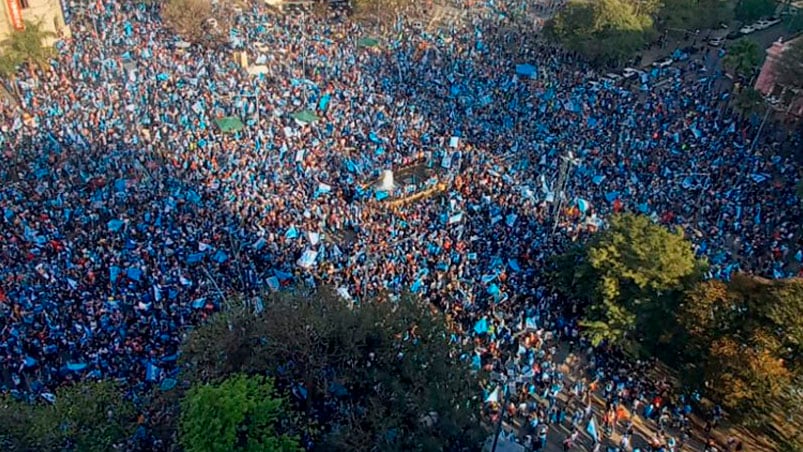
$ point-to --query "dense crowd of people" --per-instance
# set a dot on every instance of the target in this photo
(128, 213)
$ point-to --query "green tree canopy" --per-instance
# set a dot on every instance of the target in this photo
(694, 14)
(743, 58)
(789, 67)
(747, 335)
(90, 416)
(748, 100)
(238, 414)
(192, 20)
(383, 374)
(26, 46)
(633, 273)
(751, 10)
(605, 31)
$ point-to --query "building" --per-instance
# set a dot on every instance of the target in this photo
(53, 14)
(782, 98)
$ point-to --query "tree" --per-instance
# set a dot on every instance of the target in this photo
(384, 373)
(237, 414)
(90, 416)
(694, 14)
(608, 31)
(744, 340)
(25, 46)
(743, 58)
(789, 67)
(748, 101)
(198, 21)
(28, 46)
(751, 10)
(636, 270)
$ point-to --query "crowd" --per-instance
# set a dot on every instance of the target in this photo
(127, 213)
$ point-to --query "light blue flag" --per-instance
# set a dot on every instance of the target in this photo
(115, 225)
(220, 257)
(134, 274)
(494, 290)
(114, 273)
(591, 429)
(583, 205)
(291, 233)
(195, 258)
(481, 327)
(510, 220)
(76, 367)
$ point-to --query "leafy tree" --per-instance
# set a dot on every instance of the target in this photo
(89, 416)
(748, 101)
(747, 377)
(747, 335)
(751, 10)
(743, 58)
(193, 21)
(789, 68)
(636, 270)
(694, 14)
(28, 46)
(237, 414)
(384, 373)
(607, 31)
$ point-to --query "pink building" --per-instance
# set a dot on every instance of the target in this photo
(784, 99)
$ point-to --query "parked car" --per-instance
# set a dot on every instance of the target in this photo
(716, 42)
(614, 77)
(735, 34)
(629, 72)
(773, 21)
(666, 62)
(747, 29)
(761, 25)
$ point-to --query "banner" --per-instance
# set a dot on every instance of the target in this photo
(15, 14)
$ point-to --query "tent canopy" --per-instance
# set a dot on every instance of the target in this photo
(229, 124)
(305, 116)
(368, 42)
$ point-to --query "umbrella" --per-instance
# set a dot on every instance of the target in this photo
(305, 116)
(230, 124)
(368, 42)
(525, 70)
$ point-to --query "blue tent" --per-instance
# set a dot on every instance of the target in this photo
(525, 70)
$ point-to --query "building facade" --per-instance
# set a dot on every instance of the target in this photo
(783, 98)
(53, 15)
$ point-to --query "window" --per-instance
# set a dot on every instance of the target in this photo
(24, 4)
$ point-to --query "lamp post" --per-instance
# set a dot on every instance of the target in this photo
(567, 161)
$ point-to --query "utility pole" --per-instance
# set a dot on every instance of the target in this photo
(562, 186)
(760, 128)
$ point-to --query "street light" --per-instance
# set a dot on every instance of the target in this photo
(567, 161)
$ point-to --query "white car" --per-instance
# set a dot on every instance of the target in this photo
(614, 77)
(747, 29)
(716, 42)
(629, 72)
(666, 62)
(773, 21)
(761, 25)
